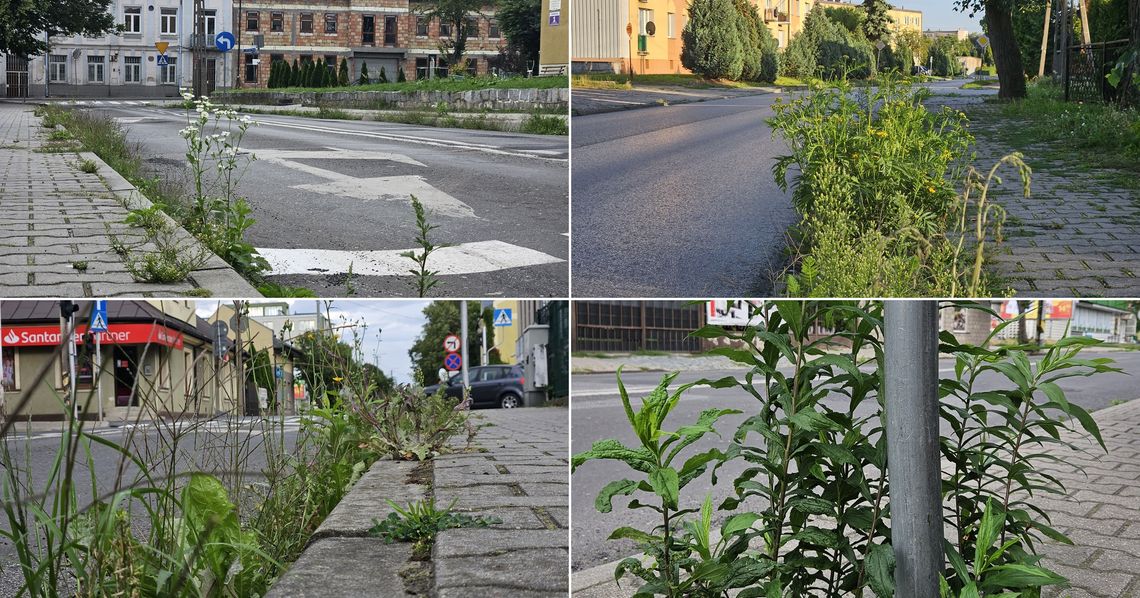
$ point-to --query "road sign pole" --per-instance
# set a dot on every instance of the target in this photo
(483, 354)
(911, 395)
(463, 344)
(98, 369)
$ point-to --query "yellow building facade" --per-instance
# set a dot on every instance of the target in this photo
(644, 35)
(506, 337)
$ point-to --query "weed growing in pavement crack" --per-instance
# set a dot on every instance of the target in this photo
(425, 279)
(421, 521)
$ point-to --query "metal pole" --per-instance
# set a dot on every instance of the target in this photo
(463, 343)
(911, 392)
(98, 369)
(483, 354)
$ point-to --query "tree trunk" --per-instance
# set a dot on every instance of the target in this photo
(1007, 57)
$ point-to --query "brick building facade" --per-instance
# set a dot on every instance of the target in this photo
(388, 34)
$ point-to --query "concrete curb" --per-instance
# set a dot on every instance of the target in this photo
(341, 558)
(215, 275)
(512, 118)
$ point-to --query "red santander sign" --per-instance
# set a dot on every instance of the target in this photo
(117, 334)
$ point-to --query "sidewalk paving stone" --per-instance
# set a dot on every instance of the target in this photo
(56, 217)
(1076, 235)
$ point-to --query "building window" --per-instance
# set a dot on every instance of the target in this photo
(421, 27)
(672, 25)
(421, 68)
(9, 370)
(306, 22)
(472, 67)
(330, 23)
(132, 19)
(252, 21)
(132, 69)
(493, 30)
(276, 22)
(168, 21)
(644, 16)
(96, 66)
(472, 26)
(168, 74)
(164, 367)
(250, 69)
(57, 68)
(210, 19)
(444, 29)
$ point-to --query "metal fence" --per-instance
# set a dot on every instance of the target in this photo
(1086, 70)
(627, 326)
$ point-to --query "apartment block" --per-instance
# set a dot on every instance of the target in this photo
(126, 63)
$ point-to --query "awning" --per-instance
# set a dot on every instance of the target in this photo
(117, 334)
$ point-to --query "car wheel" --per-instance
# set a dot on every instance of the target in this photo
(510, 401)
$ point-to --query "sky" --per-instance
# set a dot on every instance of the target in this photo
(941, 14)
(392, 328)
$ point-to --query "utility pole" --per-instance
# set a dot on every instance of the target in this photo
(1045, 39)
(198, 46)
(911, 394)
(1086, 37)
(483, 353)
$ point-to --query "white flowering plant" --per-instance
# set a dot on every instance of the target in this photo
(218, 216)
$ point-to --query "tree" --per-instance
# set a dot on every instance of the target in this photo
(383, 78)
(24, 23)
(748, 28)
(400, 76)
(363, 74)
(944, 61)
(1007, 57)
(710, 42)
(878, 21)
(850, 17)
(520, 21)
(327, 364)
(455, 13)
(342, 73)
(295, 74)
(443, 319)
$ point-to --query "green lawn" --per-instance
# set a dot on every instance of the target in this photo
(1082, 135)
(456, 84)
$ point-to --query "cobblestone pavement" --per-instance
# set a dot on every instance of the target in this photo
(57, 222)
(522, 478)
(1101, 513)
(1076, 235)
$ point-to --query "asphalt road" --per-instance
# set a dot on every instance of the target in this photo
(679, 200)
(209, 447)
(327, 194)
(596, 413)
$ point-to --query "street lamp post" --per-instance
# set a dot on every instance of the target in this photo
(911, 394)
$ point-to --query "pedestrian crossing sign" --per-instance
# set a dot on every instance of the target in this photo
(503, 317)
(98, 321)
(163, 60)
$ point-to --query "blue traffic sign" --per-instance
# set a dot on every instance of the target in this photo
(503, 317)
(163, 60)
(225, 41)
(452, 362)
(98, 321)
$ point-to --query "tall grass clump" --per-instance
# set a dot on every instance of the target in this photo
(202, 501)
(876, 177)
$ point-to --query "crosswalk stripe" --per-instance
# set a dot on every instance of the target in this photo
(466, 258)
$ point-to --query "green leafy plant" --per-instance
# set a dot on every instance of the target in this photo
(425, 280)
(421, 521)
(811, 507)
(673, 570)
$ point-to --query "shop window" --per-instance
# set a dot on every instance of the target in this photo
(10, 369)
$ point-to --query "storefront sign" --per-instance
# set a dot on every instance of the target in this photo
(734, 312)
(117, 334)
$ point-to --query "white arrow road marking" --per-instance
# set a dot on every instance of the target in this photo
(389, 188)
(467, 258)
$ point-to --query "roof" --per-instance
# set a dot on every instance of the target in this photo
(47, 312)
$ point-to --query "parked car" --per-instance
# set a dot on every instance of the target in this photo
(491, 386)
